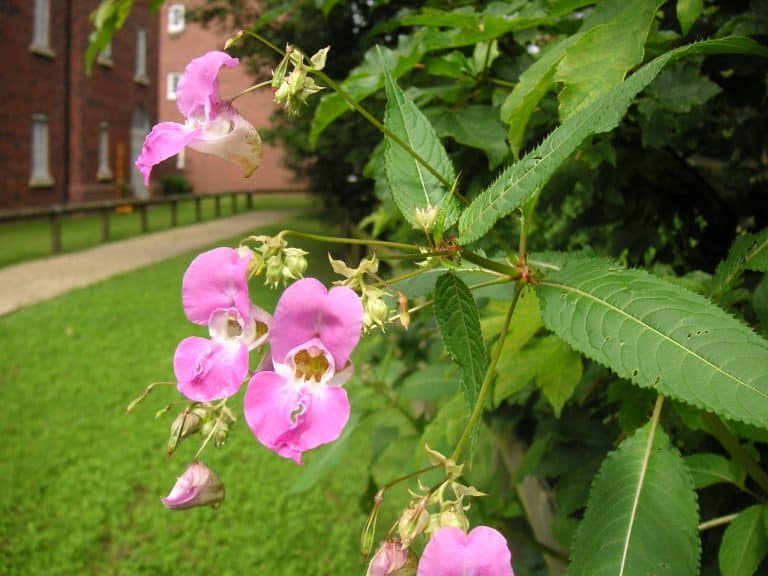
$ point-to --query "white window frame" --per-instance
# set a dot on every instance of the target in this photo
(141, 56)
(40, 169)
(41, 28)
(105, 56)
(181, 159)
(172, 85)
(177, 18)
(104, 172)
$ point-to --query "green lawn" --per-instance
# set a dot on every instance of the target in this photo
(30, 239)
(83, 480)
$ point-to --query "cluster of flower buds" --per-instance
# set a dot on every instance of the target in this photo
(375, 307)
(204, 419)
(293, 88)
(452, 548)
(279, 263)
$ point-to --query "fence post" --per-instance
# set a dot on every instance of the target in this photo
(198, 212)
(173, 213)
(249, 199)
(144, 219)
(104, 224)
(217, 202)
(56, 232)
(234, 202)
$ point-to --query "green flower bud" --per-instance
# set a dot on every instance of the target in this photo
(295, 262)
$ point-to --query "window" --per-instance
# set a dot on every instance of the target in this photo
(41, 37)
(41, 172)
(181, 159)
(141, 56)
(176, 20)
(105, 172)
(172, 81)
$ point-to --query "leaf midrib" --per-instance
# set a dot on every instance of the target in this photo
(655, 331)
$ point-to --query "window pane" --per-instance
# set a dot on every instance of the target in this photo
(42, 19)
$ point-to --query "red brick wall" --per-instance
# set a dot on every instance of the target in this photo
(75, 105)
(31, 84)
(209, 173)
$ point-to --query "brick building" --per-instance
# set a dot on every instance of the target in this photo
(65, 137)
(180, 42)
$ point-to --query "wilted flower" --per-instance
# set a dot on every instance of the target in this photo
(213, 126)
(392, 560)
(301, 404)
(452, 552)
(198, 486)
(215, 293)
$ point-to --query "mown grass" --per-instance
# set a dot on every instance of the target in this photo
(82, 480)
(26, 240)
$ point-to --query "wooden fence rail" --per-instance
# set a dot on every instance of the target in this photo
(54, 213)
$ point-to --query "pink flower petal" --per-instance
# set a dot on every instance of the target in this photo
(289, 419)
(208, 370)
(306, 310)
(215, 279)
(451, 552)
(198, 486)
(197, 94)
(232, 138)
(165, 140)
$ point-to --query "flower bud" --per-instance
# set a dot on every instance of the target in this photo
(375, 311)
(233, 40)
(318, 59)
(413, 521)
(186, 423)
(278, 75)
(425, 217)
(274, 273)
(295, 262)
(392, 560)
(198, 486)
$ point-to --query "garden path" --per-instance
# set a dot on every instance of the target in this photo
(31, 282)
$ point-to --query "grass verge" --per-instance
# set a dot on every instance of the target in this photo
(83, 480)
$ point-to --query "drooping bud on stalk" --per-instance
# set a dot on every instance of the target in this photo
(413, 522)
(368, 535)
(198, 486)
(185, 424)
(295, 262)
(405, 315)
(233, 40)
(392, 560)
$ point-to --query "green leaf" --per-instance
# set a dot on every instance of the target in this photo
(519, 182)
(688, 11)
(659, 335)
(525, 325)
(411, 184)
(748, 252)
(744, 543)
(459, 324)
(710, 469)
(642, 516)
(760, 304)
(368, 78)
(555, 366)
(533, 84)
(474, 126)
(327, 458)
(108, 17)
(598, 61)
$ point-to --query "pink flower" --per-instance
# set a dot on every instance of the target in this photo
(452, 552)
(213, 126)
(300, 404)
(215, 293)
(198, 486)
(390, 560)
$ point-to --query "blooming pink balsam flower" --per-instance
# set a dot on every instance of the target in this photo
(212, 126)
(215, 293)
(452, 552)
(198, 486)
(300, 403)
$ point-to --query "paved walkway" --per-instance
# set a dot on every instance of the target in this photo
(30, 282)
